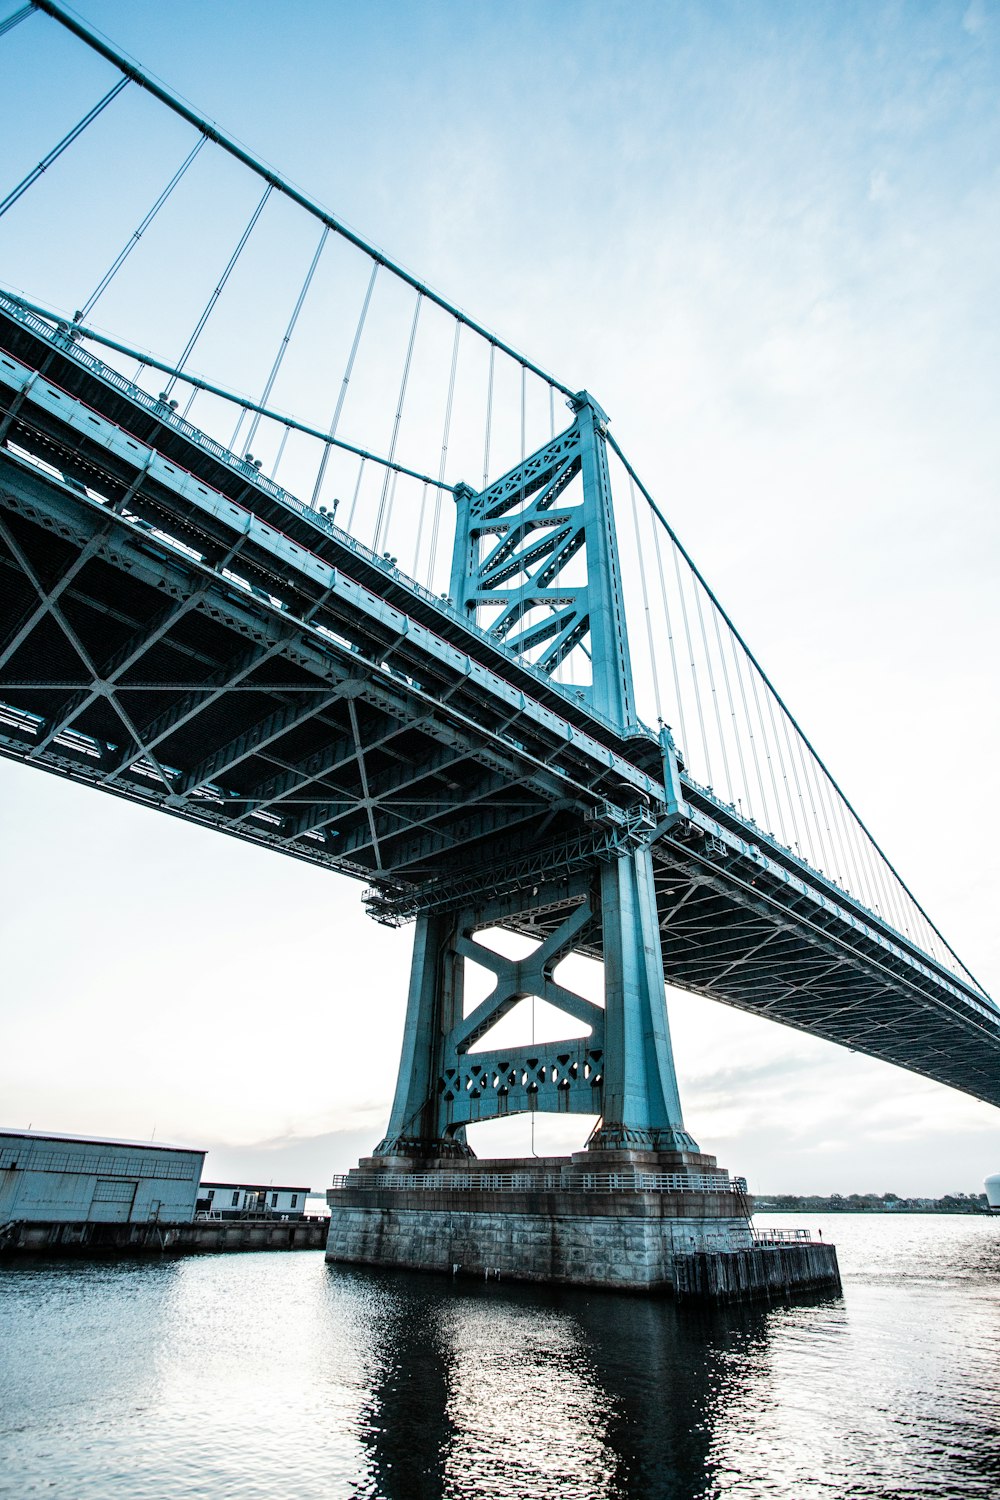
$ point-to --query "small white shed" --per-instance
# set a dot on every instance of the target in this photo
(240, 1200)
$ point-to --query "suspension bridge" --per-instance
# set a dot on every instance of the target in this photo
(418, 638)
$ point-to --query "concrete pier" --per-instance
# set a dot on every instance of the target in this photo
(200, 1237)
(766, 1269)
(622, 1219)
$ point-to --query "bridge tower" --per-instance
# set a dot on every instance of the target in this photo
(536, 563)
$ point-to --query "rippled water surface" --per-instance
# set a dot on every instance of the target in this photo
(273, 1375)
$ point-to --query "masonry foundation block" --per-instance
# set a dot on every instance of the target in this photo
(625, 1220)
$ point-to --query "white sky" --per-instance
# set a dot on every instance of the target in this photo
(764, 236)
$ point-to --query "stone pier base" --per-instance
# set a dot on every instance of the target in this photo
(611, 1219)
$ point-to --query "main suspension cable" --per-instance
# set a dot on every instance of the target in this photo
(792, 720)
(268, 174)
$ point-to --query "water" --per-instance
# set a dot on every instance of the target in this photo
(272, 1375)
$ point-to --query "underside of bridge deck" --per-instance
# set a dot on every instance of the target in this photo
(176, 632)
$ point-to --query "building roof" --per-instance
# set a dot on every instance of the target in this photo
(96, 1140)
(255, 1187)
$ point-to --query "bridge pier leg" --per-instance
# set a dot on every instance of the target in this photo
(623, 1072)
(434, 1008)
(642, 1108)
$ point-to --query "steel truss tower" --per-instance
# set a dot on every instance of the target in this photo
(513, 563)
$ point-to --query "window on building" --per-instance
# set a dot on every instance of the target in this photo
(211, 1194)
(236, 1198)
(295, 1200)
(274, 1200)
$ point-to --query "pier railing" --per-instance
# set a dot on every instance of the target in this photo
(782, 1236)
(545, 1182)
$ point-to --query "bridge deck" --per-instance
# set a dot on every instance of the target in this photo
(176, 630)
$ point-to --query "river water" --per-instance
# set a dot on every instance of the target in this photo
(272, 1375)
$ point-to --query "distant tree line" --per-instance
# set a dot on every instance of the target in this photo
(871, 1203)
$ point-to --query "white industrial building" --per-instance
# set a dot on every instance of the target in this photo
(83, 1179)
(237, 1200)
(992, 1186)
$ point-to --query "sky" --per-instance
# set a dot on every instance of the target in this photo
(764, 236)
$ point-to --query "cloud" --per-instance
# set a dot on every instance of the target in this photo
(975, 19)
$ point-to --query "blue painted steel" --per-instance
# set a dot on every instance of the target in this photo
(516, 539)
(168, 615)
(513, 541)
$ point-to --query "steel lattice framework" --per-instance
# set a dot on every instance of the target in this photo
(179, 630)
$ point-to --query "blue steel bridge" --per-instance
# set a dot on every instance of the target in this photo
(179, 628)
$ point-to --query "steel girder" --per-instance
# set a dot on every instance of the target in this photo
(173, 631)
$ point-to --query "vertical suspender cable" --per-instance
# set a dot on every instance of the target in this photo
(804, 846)
(220, 287)
(807, 761)
(789, 799)
(694, 669)
(883, 887)
(847, 822)
(732, 705)
(670, 638)
(415, 570)
(715, 696)
(767, 751)
(853, 878)
(833, 800)
(354, 497)
(645, 600)
(960, 968)
(834, 870)
(439, 493)
(15, 19)
(391, 479)
(489, 418)
(859, 841)
(750, 733)
(342, 394)
(281, 452)
(385, 502)
(552, 413)
(869, 857)
(282, 348)
(124, 254)
(60, 147)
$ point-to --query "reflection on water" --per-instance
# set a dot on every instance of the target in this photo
(273, 1375)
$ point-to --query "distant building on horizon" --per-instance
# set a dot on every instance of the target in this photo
(992, 1186)
(90, 1179)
